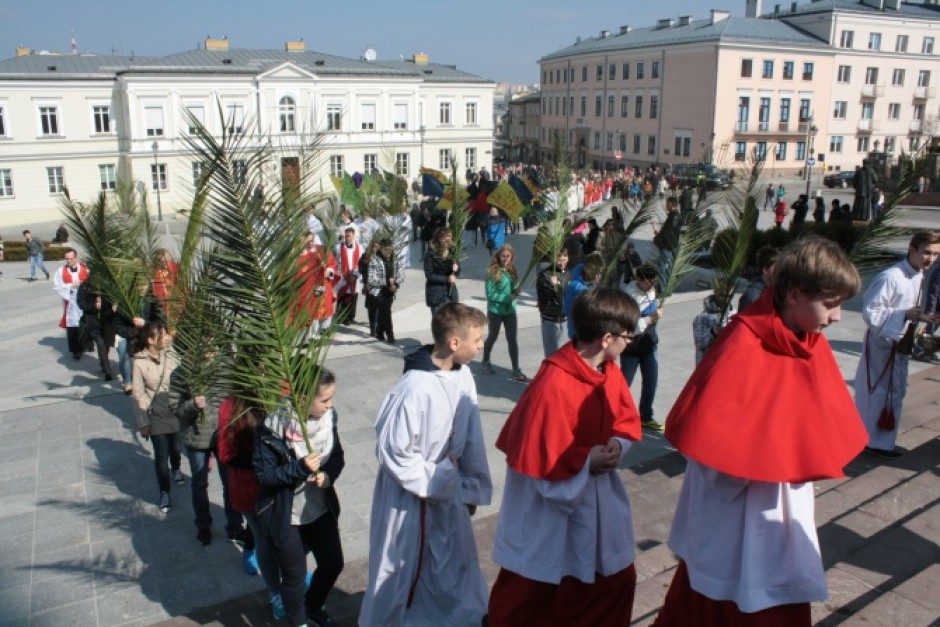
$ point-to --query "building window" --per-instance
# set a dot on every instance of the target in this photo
(157, 176)
(583, 106)
(102, 118)
(651, 145)
(107, 177)
(835, 143)
(600, 72)
(874, 41)
(894, 111)
(550, 109)
(808, 71)
(747, 67)
(918, 113)
(923, 78)
(871, 76)
(847, 38)
(638, 107)
(890, 144)
(625, 72)
(234, 117)
(336, 166)
(862, 144)
(597, 140)
(654, 69)
(788, 70)
(3, 121)
(610, 141)
(610, 106)
(49, 120)
(56, 176)
(558, 75)
(800, 151)
(624, 106)
(654, 107)
(844, 74)
(198, 169)
(763, 115)
(868, 110)
(805, 105)
(637, 138)
(623, 142)
(367, 116)
(6, 183)
(598, 104)
(198, 114)
(286, 109)
(401, 164)
(443, 162)
(760, 151)
(444, 118)
(584, 71)
(240, 170)
(767, 71)
(900, 44)
(781, 151)
(470, 158)
(683, 146)
(640, 70)
(927, 46)
(897, 78)
(334, 117)
(400, 116)
(913, 143)
(840, 109)
(740, 151)
(472, 114)
(612, 71)
(744, 112)
(370, 163)
(784, 110)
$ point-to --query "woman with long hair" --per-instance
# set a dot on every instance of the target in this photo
(502, 289)
(440, 271)
(152, 367)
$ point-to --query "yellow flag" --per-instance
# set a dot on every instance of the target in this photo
(504, 197)
(338, 184)
(447, 200)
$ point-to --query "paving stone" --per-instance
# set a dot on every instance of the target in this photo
(899, 502)
(17, 525)
(17, 440)
(56, 562)
(17, 487)
(80, 613)
(15, 572)
(892, 610)
(123, 607)
(891, 557)
(17, 505)
(65, 590)
(15, 604)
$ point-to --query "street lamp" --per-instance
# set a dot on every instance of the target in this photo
(810, 160)
(156, 180)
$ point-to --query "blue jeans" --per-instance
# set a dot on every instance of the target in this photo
(124, 360)
(166, 447)
(649, 370)
(199, 467)
(34, 262)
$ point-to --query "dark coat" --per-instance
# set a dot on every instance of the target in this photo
(437, 289)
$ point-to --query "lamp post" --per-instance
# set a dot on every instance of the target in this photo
(810, 160)
(156, 180)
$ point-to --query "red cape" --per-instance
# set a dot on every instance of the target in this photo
(766, 405)
(567, 408)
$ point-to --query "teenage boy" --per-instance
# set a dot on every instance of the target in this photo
(564, 538)
(423, 566)
(744, 529)
(35, 249)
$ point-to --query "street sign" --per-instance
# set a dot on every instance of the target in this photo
(618, 155)
(810, 162)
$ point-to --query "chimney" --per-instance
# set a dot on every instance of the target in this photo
(752, 9)
(295, 46)
(419, 58)
(217, 44)
(685, 20)
(22, 51)
(718, 16)
(663, 23)
(625, 29)
(604, 34)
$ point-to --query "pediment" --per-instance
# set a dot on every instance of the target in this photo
(286, 71)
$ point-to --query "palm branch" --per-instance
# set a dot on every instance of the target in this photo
(614, 246)
(459, 217)
(691, 239)
(551, 234)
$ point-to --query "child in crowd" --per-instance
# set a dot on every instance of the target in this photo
(715, 315)
(502, 289)
(423, 565)
(744, 528)
(583, 277)
(550, 287)
(298, 510)
(564, 538)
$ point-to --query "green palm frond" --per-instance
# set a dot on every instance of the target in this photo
(614, 246)
(691, 240)
(459, 215)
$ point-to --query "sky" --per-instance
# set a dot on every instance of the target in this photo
(501, 40)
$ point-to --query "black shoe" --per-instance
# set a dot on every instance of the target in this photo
(76, 355)
(239, 536)
(205, 537)
(390, 339)
(108, 376)
(880, 452)
(321, 619)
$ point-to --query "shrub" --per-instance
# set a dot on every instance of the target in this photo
(16, 251)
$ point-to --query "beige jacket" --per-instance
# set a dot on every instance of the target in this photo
(151, 392)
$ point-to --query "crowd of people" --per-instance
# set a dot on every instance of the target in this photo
(564, 539)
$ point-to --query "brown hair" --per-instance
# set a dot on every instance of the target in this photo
(926, 237)
(817, 266)
(454, 319)
(603, 310)
(593, 266)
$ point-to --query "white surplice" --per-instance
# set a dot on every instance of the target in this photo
(751, 542)
(414, 438)
(885, 303)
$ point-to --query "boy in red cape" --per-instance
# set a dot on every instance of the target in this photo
(564, 538)
(744, 528)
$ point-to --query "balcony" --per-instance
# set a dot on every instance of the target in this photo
(916, 126)
(873, 91)
(770, 128)
(867, 125)
(923, 93)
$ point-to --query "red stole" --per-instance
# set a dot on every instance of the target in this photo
(566, 409)
(766, 405)
(67, 278)
(349, 263)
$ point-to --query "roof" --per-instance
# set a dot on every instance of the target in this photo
(906, 9)
(727, 30)
(232, 61)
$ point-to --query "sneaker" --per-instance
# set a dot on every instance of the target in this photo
(307, 581)
(204, 536)
(250, 563)
(277, 607)
(880, 452)
(164, 502)
(518, 376)
(321, 619)
(487, 367)
(652, 425)
(178, 477)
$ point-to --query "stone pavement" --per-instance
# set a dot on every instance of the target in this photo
(82, 542)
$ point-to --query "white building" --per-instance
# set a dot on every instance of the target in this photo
(85, 121)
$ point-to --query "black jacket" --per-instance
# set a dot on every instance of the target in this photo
(551, 297)
(437, 289)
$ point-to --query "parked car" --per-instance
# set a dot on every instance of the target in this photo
(687, 175)
(839, 179)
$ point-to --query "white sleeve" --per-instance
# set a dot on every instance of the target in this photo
(885, 321)
(60, 287)
(475, 483)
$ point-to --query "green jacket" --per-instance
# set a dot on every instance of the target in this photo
(499, 291)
